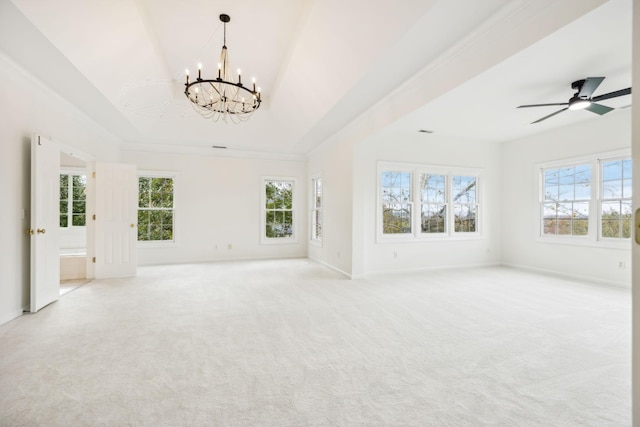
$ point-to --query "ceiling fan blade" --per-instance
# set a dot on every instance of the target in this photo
(610, 95)
(550, 115)
(599, 108)
(542, 105)
(589, 86)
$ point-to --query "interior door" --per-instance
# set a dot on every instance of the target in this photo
(45, 222)
(115, 221)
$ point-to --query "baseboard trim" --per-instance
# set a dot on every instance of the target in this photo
(336, 269)
(12, 315)
(204, 261)
(626, 285)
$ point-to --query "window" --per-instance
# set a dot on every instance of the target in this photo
(448, 202)
(567, 191)
(587, 200)
(615, 206)
(73, 200)
(465, 203)
(278, 212)
(156, 219)
(316, 209)
(433, 198)
(396, 202)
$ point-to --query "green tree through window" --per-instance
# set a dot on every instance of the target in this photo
(278, 209)
(155, 208)
(73, 200)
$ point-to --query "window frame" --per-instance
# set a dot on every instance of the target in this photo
(263, 215)
(314, 239)
(573, 201)
(416, 171)
(394, 167)
(161, 174)
(70, 172)
(594, 234)
(602, 198)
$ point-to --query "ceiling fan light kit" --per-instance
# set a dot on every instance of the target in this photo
(582, 99)
(223, 97)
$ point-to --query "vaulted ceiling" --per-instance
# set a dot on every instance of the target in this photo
(321, 64)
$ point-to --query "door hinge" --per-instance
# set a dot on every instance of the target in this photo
(93, 174)
(94, 260)
(94, 217)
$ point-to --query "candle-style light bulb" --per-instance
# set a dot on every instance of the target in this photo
(199, 70)
(253, 80)
(219, 69)
(187, 74)
(239, 76)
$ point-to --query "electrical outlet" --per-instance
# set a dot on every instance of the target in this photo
(621, 264)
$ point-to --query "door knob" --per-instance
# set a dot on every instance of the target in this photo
(133, 226)
(41, 230)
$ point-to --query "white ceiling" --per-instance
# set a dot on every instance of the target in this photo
(320, 63)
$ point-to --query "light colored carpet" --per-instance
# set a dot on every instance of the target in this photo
(290, 343)
(67, 286)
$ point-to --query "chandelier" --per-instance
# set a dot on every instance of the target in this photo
(223, 97)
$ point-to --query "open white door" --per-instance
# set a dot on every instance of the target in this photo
(635, 252)
(45, 222)
(116, 217)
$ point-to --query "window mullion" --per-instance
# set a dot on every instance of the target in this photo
(69, 200)
(449, 226)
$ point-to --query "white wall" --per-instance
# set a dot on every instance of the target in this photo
(435, 150)
(334, 162)
(519, 158)
(27, 107)
(218, 202)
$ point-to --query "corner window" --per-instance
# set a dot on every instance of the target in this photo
(73, 200)
(447, 202)
(278, 212)
(587, 200)
(615, 206)
(316, 209)
(567, 191)
(156, 208)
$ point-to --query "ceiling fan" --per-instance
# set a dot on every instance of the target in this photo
(582, 99)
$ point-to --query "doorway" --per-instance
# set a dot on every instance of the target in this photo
(73, 222)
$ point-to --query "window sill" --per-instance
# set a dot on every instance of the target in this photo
(278, 240)
(315, 242)
(144, 244)
(428, 238)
